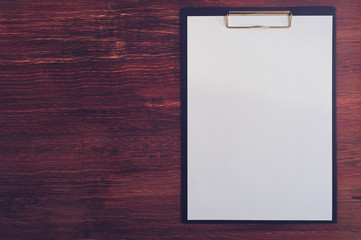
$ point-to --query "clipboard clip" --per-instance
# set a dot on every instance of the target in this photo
(255, 19)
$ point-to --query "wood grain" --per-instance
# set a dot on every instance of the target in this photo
(90, 122)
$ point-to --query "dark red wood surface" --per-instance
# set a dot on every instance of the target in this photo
(90, 122)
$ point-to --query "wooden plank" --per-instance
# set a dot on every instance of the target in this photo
(90, 122)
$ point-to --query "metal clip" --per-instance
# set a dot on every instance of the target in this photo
(259, 13)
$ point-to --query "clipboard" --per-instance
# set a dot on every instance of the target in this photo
(258, 92)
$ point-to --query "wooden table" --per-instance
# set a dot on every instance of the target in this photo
(90, 122)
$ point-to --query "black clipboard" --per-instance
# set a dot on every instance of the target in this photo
(209, 206)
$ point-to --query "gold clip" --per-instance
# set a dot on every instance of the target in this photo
(259, 13)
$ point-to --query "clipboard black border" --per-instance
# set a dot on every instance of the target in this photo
(185, 12)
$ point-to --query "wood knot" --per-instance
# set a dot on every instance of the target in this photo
(19, 204)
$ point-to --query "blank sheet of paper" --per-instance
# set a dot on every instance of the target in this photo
(259, 120)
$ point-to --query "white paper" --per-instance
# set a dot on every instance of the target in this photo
(259, 120)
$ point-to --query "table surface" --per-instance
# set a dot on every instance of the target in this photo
(90, 122)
